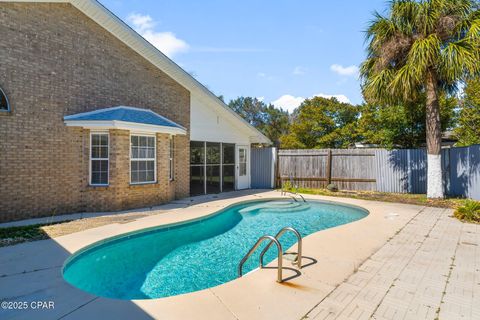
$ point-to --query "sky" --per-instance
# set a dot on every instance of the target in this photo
(280, 51)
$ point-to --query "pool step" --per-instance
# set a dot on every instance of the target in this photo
(278, 206)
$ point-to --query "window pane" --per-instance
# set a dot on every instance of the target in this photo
(197, 180)
(243, 169)
(241, 155)
(95, 152)
(135, 152)
(151, 165)
(150, 176)
(142, 141)
(151, 142)
(104, 140)
(142, 154)
(134, 165)
(95, 166)
(103, 152)
(104, 178)
(134, 140)
(228, 178)
(95, 177)
(95, 139)
(213, 179)
(213, 153)
(228, 153)
(134, 177)
(142, 176)
(197, 152)
(3, 101)
(151, 153)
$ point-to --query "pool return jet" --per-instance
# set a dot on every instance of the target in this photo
(274, 240)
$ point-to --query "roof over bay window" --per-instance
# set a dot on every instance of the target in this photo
(125, 118)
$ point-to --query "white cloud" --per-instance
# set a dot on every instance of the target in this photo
(290, 103)
(344, 71)
(141, 22)
(340, 97)
(298, 71)
(166, 42)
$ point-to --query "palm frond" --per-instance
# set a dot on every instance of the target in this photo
(424, 53)
(457, 59)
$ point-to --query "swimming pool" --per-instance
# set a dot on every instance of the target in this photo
(175, 259)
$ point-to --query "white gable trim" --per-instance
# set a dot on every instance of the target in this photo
(110, 22)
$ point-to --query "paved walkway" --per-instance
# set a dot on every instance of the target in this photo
(429, 270)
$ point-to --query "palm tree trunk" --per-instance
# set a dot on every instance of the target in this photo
(434, 140)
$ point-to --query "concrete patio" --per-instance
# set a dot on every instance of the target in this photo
(400, 262)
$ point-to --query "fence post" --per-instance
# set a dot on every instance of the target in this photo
(329, 166)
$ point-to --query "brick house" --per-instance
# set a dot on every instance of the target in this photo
(95, 118)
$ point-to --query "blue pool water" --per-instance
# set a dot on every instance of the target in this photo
(172, 260)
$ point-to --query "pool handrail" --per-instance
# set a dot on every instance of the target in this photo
(255, 246)
(277, 237)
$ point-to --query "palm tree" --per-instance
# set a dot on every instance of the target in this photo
(422, 49)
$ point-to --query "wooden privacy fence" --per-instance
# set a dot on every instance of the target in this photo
(349, 169)
(401, 171)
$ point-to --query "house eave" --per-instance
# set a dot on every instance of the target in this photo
(124, 125)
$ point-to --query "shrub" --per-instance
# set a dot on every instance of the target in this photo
(332, 187)
(470, 211)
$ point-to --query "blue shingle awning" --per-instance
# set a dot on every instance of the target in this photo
(127, 118)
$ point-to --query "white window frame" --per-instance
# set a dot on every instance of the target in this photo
(101, 159)
(145, 159)
(171, 158)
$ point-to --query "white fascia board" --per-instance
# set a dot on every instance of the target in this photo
(123, 125)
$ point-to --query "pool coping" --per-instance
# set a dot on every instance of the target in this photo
(339, 251)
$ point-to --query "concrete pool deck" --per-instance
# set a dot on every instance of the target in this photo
(394, 264)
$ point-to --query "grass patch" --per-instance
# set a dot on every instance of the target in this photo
(469, 212)
(416, 199)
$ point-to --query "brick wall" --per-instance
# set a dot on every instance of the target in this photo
(55, 61)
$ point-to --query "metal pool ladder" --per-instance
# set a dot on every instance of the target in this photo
(274, 240)
(284, 192)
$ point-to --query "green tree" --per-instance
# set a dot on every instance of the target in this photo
(322, 123)
(468, 130)
(269, 120)
(422, 47)
(401, 126)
